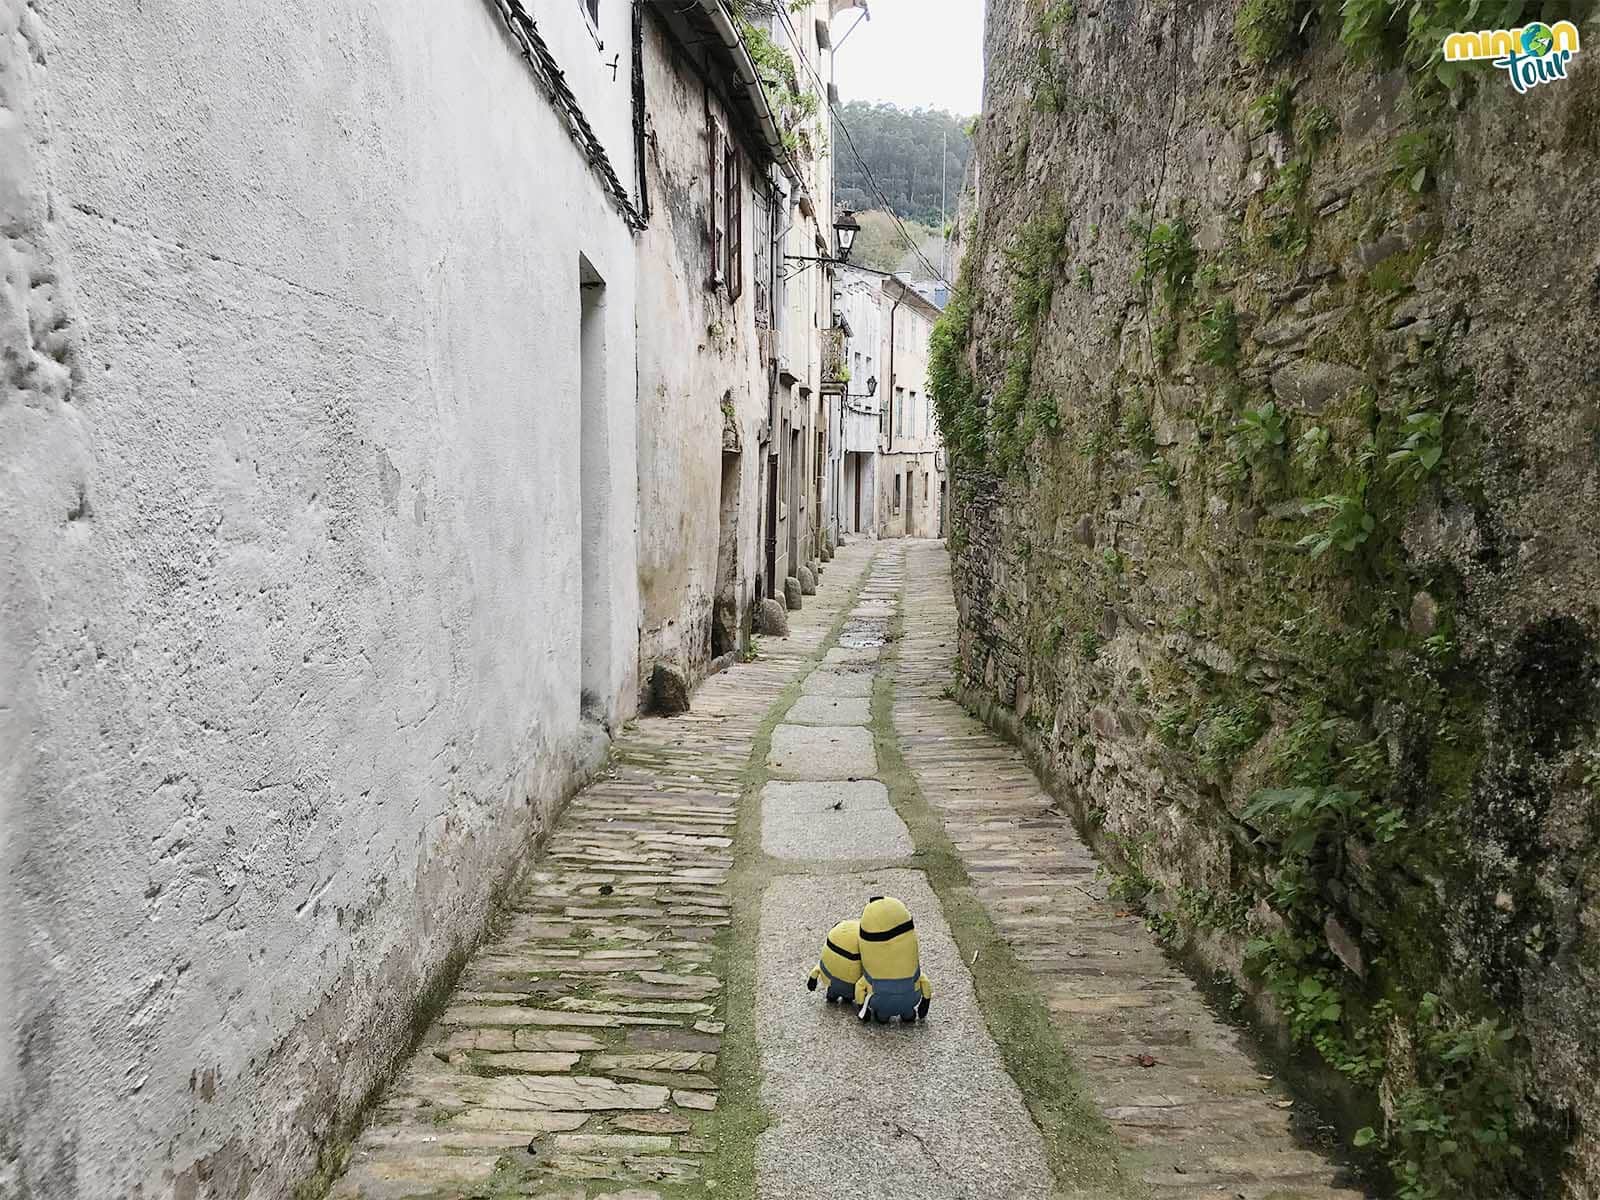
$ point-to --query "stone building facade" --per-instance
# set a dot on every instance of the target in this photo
(889, 463)
(345, 362)
(715, 176)
(912, 491)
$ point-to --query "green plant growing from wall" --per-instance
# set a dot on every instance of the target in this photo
(1167, 255)
(1034, 259)
(1311, 448)
(1347, 528)
(1306, 817)
(1275, 109)
(1415, 159)
(1267, 30)
(950, 383)
(1315, 127)
(1219, 335)
(1227, 731)
(1054, 15)
(1412, 32)
(1261, 431)
(1174, 725)
(1419, 454)
(1453, 1130)
(795, 106)
(1164, 474)
(1047, 413)
(1137, 431)
(1290, 182)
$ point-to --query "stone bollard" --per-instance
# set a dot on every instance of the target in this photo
(792, 593)
(771, 618)
(808, 581)
(669, 691)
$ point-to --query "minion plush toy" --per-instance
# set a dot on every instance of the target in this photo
(892, 983)
(840, 963)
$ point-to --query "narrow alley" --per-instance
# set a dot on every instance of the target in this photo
(638, 1026)
(524, 521)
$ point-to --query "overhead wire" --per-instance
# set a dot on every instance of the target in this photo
(872, 180)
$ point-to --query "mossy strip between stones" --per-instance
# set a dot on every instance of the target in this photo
(1081, 1148)
(731, 1173)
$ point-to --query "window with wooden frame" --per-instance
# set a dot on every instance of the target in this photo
(733, 206)
(715, 200)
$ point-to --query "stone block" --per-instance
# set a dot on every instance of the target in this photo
(822, 752)
(792, 592)
(669, 691)
(1308, 385)
(772, 619)
(808, 581)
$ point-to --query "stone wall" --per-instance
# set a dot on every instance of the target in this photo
(1275, 426)
(290, 618)
(703, 400)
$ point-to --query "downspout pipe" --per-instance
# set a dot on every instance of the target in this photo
(641, 167)
(745, 67)
(889, 394)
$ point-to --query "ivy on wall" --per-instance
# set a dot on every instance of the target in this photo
(1375, 780)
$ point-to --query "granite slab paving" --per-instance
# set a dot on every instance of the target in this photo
(872, 1110)
(829, 710)
(579, 1054)
(822, 752)
(838, 683)
(923, 1111)
(858, 835)
(1196, 1111)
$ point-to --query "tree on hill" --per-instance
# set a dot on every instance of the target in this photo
(902, 149)
(881, 246)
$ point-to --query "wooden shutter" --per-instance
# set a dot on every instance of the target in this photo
(734, 207)
(714, 197)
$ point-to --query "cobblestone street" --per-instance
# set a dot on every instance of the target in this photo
(590, 1041)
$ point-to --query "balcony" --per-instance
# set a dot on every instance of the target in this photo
(835, 369)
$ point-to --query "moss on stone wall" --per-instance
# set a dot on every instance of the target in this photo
(1275, 534)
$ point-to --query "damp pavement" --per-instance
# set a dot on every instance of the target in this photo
(584, 1051)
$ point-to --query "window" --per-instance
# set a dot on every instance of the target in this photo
(899, 415)
(715, 200)
(733, 207)
(913, 418)
(897, 491)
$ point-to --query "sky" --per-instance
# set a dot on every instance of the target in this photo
(915, 53)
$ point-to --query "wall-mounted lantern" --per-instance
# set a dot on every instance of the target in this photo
(846, 227)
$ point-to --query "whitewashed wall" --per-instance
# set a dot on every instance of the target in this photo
(289, 560)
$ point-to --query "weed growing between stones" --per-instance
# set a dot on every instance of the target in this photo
(1267, 30)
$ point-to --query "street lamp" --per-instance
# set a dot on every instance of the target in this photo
(846, 228)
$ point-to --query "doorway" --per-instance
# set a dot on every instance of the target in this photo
(594, 480)
(725, 599)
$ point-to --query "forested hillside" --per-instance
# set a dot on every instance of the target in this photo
(901, 149)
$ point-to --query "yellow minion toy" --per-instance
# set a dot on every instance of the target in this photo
(892, 983)
(840, 963)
